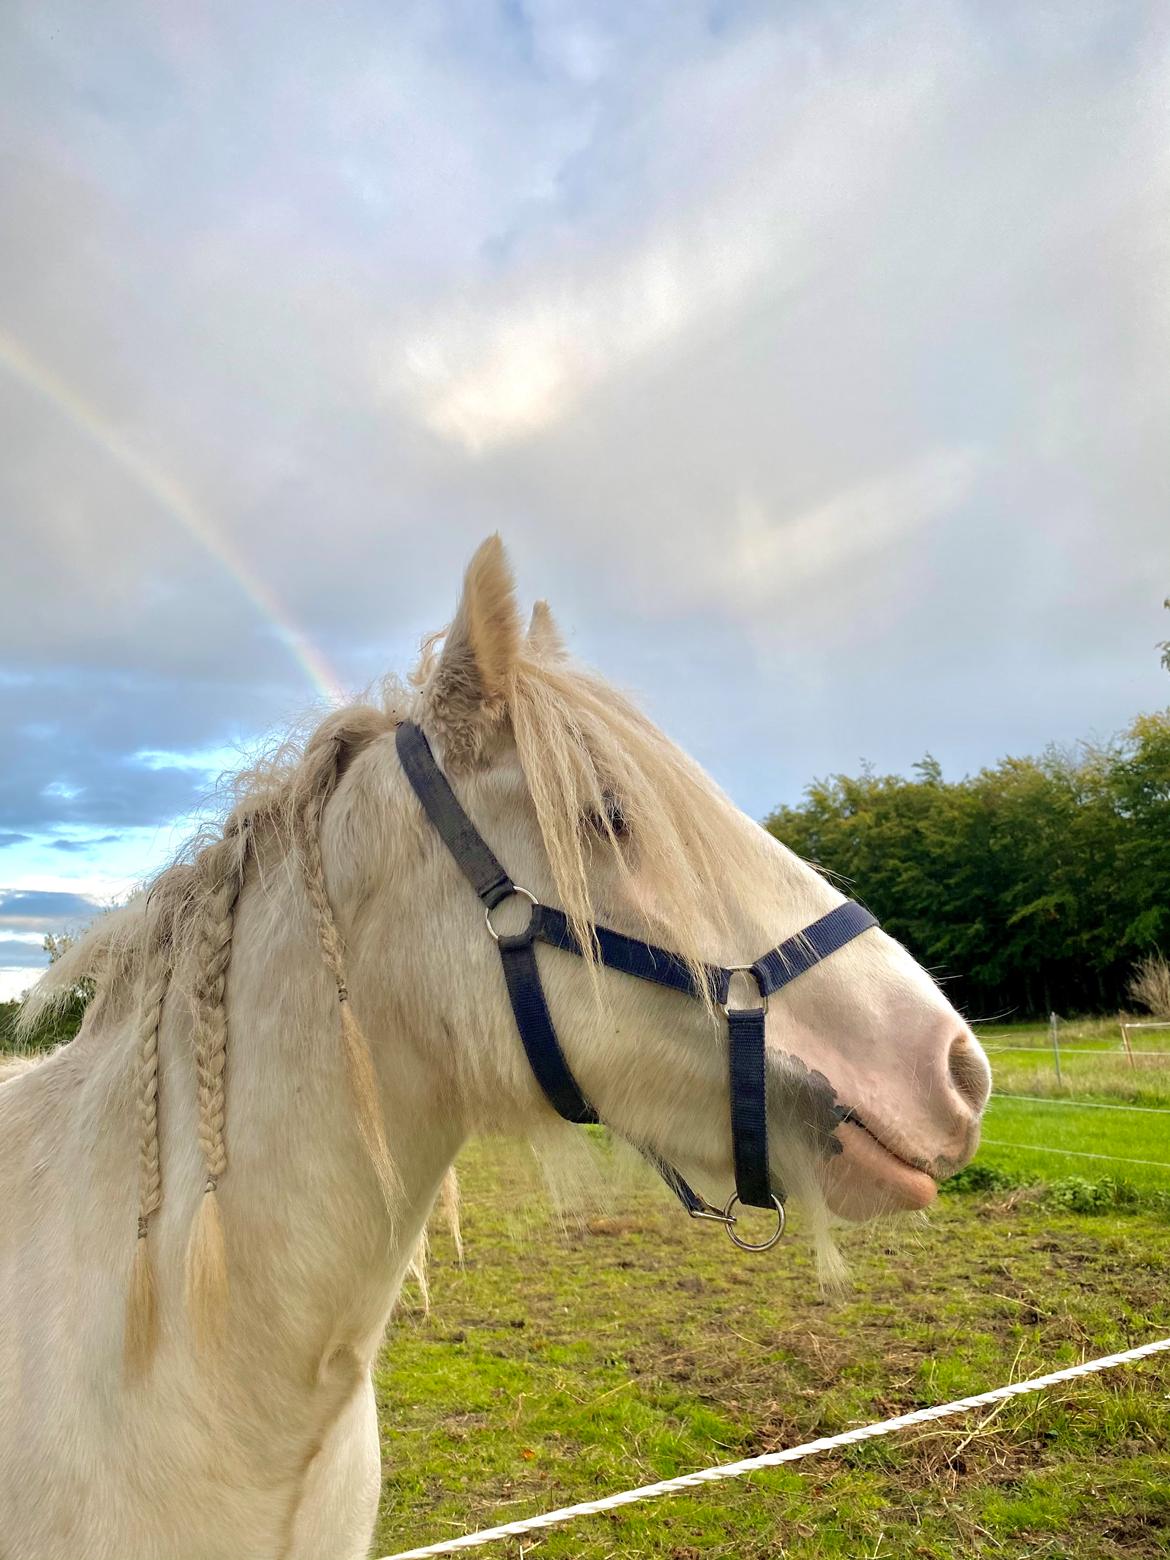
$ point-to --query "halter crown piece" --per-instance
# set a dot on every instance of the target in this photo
(754, 1184)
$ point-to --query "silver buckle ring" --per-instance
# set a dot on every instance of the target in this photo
(744, 969)
(515, 889)
(748, 1245)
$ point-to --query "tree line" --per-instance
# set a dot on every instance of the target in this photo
(1034, 885)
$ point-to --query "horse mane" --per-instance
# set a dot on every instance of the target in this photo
(601, 777)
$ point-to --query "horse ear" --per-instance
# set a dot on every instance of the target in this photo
(481, 646)
(544, 637)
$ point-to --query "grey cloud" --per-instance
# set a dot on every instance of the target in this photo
(21, 955)
(83, 847)
(26, 906)
(77, 784)
(744, 272)
(81, 768)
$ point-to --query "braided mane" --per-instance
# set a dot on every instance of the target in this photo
(181, 928)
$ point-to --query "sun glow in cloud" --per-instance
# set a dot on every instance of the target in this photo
(487, 377)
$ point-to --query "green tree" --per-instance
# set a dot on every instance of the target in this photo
(59, 1026)
(1036, 883)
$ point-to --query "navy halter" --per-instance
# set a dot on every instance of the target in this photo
(754, 1185)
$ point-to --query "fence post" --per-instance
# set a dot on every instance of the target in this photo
(1125, 1039)
(1054, 1032)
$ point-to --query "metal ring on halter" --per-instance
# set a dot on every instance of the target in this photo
(743, 969)
(748, 1245)
(515, 889)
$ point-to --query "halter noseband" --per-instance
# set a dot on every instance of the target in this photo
(754, 1185)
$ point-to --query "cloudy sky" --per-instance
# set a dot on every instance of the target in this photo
(810, 358)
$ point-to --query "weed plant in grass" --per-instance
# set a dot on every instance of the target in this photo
(573, 1357)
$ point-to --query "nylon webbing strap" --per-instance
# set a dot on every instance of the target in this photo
(617, 952)
(458, 833)
(686, 1195)
(749, 1106)
(537, 1034)
(798, 954)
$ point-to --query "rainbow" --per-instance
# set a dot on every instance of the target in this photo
(179, 505)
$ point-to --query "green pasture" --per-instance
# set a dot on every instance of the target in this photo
(1051, 1139)
(1105, 1121)
(607, 1346)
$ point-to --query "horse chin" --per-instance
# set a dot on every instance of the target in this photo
(867, 1179)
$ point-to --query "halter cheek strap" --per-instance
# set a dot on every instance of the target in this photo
(754, 1184)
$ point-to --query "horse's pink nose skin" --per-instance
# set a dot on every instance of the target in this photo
(970, 1073)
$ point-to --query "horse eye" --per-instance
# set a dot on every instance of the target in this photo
(614, 817)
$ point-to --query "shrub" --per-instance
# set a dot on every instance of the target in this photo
(978, 1178)
(58, 1026)
(1080, 1196)
(1150, 985)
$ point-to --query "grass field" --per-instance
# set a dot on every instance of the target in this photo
(573, 1357)
(1104, 1120)
(1093, 1063)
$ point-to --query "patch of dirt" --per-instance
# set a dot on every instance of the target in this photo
(613, 1225)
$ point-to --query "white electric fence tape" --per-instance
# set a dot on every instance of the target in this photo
(828, 1443)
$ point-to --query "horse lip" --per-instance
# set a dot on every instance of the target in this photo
(928, 1167)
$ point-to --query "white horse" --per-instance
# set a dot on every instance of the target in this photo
(295, 1031)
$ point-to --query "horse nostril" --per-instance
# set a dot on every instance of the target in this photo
(970, 1074)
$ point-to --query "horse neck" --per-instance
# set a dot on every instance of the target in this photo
(314, 1257)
